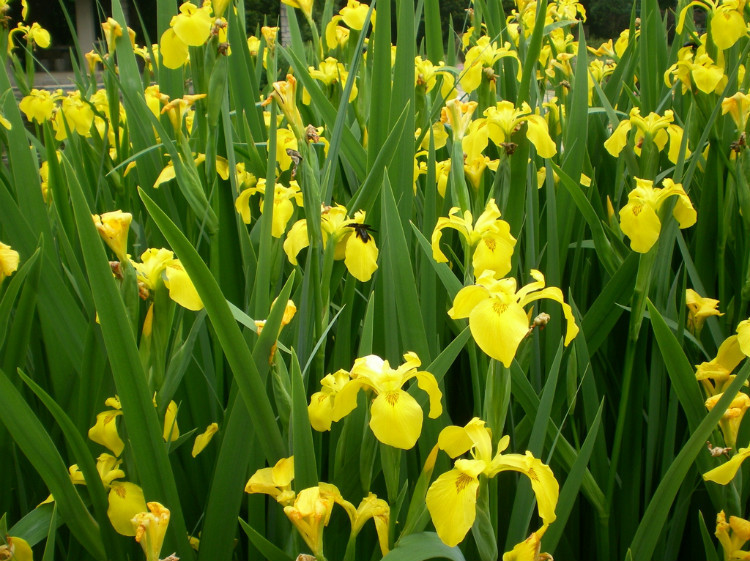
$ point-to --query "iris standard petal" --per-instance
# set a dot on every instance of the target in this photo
(466, 300)
(615, 143)
(396, 419)
(202, 440)
(192, 25)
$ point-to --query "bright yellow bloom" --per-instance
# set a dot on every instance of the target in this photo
(150, 529)
(716, 375)
(395, 416)
(75, 114)
(497, 319)
(159, 266)
(732, 417)
(480, 60)
(282, 204)
(34, 34)
(190, 28)
(305, 5)
(652, 128)
(439, 134)
(202, 440)
(451, 499)
(490, 239)
(38, 105)
(330, 71)
(285, 95)
(321, 408)
(727, 22)
(289, 311)
(104, 432)
(458, 114)
(354, 14)
(113, 227)
(699, 308)
(311, 512)
(639, 218)
(353, 238)
(696, 69)
(16, 549)
(528, 550)
(740, 533)
(8, 261)
(181, 288)
(504, 119)
(336, 35)
(125, 501)
(177, 110)
(275, 481)
(738, 107)
(377, 509)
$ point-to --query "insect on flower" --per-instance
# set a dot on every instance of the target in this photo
(362, 231)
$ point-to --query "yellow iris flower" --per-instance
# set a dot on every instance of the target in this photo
(732, 535)
(38, 106)
(479, 61)
(354, 14)
(497, 319)
(699, 308)
(282, 204)
(727, 21)
(331, 71)
(732, 417)
(8, 261)
(652, 128)
(353, 241)
(529, 549)
(125, 501)
(113, 228)
(504, 119)
(716, 374)
(451, 499)
(639, 218)
(738, 107)
(17, 549)
(190, 28)
(275, 481)
(490, 239)
(150, 529)
(159, 266)
(457, 114)
(395, 416)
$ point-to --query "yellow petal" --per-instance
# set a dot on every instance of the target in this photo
(466, 300)
(20, 550)
(494, 251)
(743, 336)
(427, 382)
(296, 240)
(202, 440)
(527, 550)
(173, 50)
(451, 501)
(181, 288)
(727, 26)
(125, 501)
(615, 143)
(171, 431)
(538, 135)
(543, 481)
(724, 474)
(396, 419)
(104, 432)
(641, 224)
(554, 293)
(498, 328)
(192, 25)
(361, 257)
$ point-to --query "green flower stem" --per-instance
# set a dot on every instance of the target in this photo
(459, 189)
